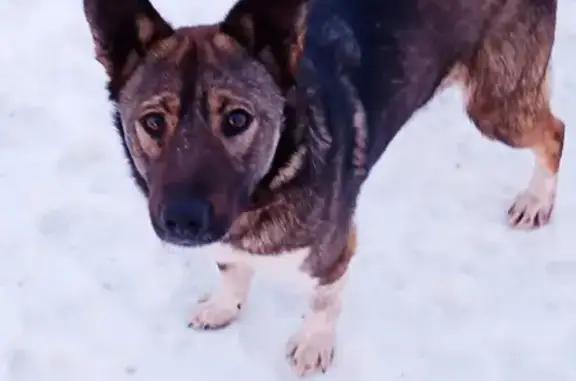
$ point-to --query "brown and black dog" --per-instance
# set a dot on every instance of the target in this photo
(259, 131)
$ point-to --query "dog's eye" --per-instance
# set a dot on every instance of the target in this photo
(236, 122)
(154, 124)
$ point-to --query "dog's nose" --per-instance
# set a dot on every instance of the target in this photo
(187, 218)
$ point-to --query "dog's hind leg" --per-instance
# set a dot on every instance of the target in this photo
(533, 207)
(508, 100)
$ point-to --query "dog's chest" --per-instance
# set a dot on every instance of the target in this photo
(285, 267)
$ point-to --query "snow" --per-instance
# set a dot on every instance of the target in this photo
(441, 288)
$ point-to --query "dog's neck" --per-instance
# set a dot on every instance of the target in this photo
(303, 183)
(285, 198)
(291, 156)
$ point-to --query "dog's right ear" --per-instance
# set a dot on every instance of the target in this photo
(272, 31)
(122, 31)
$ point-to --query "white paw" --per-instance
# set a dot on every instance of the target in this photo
(214, 312)
(533, 207)
(531, 210)
(311, 351)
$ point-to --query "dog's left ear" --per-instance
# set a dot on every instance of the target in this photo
(272, 31)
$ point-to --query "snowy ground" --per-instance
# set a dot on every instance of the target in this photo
(88, 294)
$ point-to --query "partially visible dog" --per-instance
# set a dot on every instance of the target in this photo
(258, 132)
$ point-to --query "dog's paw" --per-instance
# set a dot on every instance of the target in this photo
(214, 312)
(531, 210)
(533, 207)
(310, 351)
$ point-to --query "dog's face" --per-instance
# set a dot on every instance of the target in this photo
(201, 120)
(200, 109)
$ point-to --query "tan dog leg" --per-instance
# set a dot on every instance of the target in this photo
(534, 206)
(312, 347)
(223, 306)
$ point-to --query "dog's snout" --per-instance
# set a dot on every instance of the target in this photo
(187, 218)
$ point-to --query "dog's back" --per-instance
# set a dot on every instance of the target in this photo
(395, 54)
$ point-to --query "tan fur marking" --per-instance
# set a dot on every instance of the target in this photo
(224, 43)
(167, 104)
(222, 101)
(145, 28)
(533, 207)
(360, 136)
(210, 53)
(214, 105)
(507, 87)
(164, 49)
(344, 260)
(184, 46)
(148, 145)
(145, 32)
(298, 45)
(551, 146)
(508, 98)
(290, 170)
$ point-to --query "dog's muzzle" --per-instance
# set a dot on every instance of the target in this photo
(187, 220)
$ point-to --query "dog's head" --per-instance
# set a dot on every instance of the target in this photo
(199, 109)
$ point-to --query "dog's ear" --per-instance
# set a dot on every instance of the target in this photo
(272, 31)
(122, 31)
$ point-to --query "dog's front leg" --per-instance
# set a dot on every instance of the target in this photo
(222, 307)
(311, 349)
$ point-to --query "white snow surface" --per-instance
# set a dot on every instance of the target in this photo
(440, 290)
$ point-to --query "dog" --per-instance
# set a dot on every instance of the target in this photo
(256, 133)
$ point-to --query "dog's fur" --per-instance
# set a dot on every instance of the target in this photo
(258, 132)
